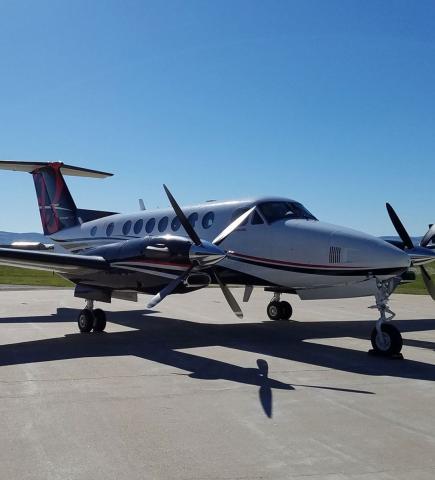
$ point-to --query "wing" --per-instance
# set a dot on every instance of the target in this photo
(53, 262)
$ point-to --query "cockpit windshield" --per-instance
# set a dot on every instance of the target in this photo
(273, 211)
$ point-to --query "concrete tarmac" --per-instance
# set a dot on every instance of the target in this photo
(188, 391)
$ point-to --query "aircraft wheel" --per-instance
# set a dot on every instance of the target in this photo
(99, 320)
(391, 341)
(274, 310)
(85, 321)
(286, 310)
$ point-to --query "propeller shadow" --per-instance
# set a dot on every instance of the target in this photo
(164, 340)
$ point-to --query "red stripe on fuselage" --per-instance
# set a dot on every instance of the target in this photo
(294, 264)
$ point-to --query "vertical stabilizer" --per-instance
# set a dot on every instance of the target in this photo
(56, 205)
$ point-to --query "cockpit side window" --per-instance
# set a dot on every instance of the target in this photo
(256, 219)
(274, 211)
(236, 214)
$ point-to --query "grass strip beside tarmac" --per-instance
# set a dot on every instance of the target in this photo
(23, 276)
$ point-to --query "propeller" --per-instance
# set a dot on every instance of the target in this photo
(398, 225)
(430, 234)
(183, 219)
(232, 302)
(420, 255)
(202, 254)
(170, 287)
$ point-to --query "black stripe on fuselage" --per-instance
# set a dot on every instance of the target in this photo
(320, 271)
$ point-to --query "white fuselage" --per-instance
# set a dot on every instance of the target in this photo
(313, 258)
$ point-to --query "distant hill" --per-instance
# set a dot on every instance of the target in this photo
(7, 238)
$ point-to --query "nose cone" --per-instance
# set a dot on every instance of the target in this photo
(383, 255)
(206, 254)
(340, 246)
(370, 252)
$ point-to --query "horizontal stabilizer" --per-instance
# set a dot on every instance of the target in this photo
(89, 215)
(71, 170)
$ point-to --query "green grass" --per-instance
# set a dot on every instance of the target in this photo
(22, 276)
(417, 287)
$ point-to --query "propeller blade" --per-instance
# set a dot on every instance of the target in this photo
(232, 302)
(398, 225)
(170, 287)
(232, 226)
(428, 236)
(263, 367)
(183, 219)
(430, 285)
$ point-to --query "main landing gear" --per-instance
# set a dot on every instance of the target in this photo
(90, 319)
(279, 310)
(386, 338)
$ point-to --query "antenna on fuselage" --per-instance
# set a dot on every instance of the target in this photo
(141, 204)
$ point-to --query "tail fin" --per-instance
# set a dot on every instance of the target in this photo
(56, 205)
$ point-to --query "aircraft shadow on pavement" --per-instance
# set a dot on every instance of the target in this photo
(160, 340)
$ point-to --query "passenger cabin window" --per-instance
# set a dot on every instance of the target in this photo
(207, 220)
(138, 226)
(109, 229)
(274, 211)
(236, 214)
(193, 218)
(126, 227)
(163, 223)
(149, 227)
(175, 224)
(256, 219)
(93, 231)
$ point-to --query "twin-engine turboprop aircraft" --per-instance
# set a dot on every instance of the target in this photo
(272, 242)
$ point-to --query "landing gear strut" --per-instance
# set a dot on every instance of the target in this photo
(90, 319)
(386, 338)
(279, 310)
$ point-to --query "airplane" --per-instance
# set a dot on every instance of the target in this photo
(269, 242)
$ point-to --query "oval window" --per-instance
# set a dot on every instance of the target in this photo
(193, 218)
(93, 231)
(126, 227)
(149, 227)
(175, 224)
(138, 226)
(207, 220)
(109, 229)
(163, 223)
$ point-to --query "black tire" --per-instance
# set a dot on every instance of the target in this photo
(274, 311)
(85, 321)
(99, 320)
(393, 339)
(286, 310)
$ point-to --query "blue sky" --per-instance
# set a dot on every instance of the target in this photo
(329, 102)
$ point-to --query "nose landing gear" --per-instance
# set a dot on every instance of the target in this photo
(90, 319)
(386, 338)
(279, 310)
